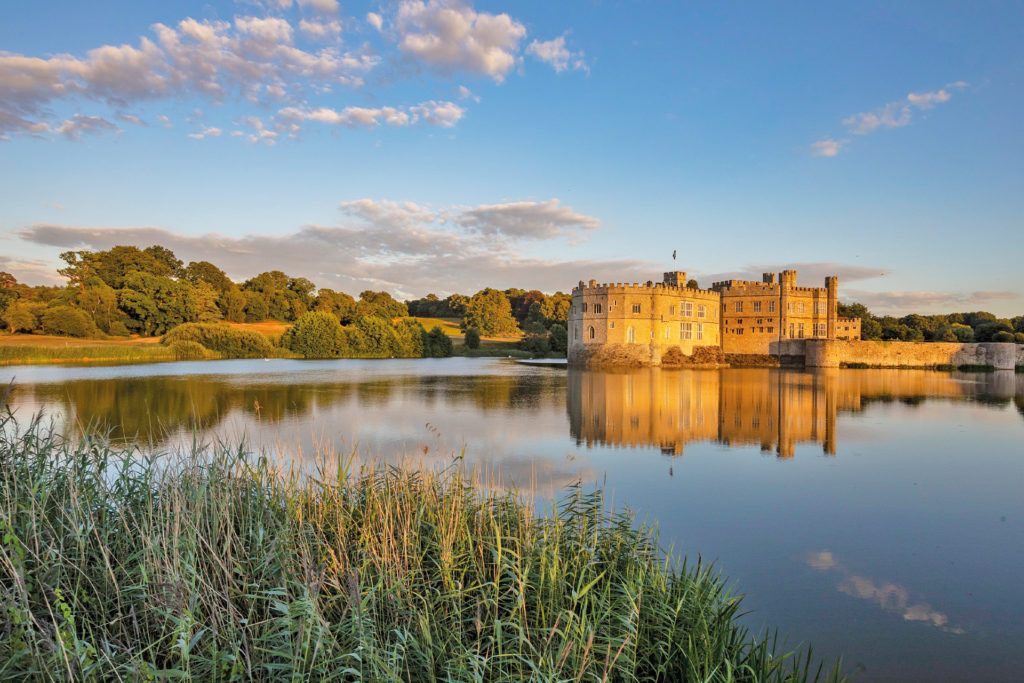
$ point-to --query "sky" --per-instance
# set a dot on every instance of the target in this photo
(424, 146)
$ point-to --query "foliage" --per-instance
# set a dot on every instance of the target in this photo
(692, 284)
(156, 303)
(490, 312)
(22, 316)
(223, 339)
(472, 338)
(558, 335)
(189, 350)
(316, 334)
(437, 344)
(379, 304)
(67, 322)
(217, 564)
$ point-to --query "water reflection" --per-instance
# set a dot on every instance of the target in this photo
(891, 597)
(773, 409)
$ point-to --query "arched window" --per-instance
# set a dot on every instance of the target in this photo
(630, 335)
(591, 331)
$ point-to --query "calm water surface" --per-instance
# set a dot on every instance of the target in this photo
(877, 514)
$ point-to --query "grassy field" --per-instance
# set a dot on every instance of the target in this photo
(225, 565)
(39, 348)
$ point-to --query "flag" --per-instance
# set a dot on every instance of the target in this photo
(673, 254)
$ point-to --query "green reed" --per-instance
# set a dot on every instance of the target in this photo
(220, 564)
(83, 353)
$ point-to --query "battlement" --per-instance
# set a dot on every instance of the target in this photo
(652, 288)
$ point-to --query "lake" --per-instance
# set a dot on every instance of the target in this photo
(877, 514)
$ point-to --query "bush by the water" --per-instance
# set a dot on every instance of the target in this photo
(226, 340)
(189, 350)
(472, 339)
(217, 565)
(437, 344)
(316, 334)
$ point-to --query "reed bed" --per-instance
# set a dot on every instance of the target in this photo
(11, 354)
(220, 564)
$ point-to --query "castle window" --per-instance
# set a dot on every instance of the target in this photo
(668, 332)
(739, 306)
(688, 309)
(671, 310)
(612, 324)
(591, 332)
(636, 308)
(820, 329)
(584, 306)
(652, 335)
(790, 306)
(760, 330)
(821, 308)
(800, 330)
(771, 306)
(686, 330)
(770, 330)
(792, 327)
(759, 321)
(757, 307)
(597, 308)
(702, 311)
(700, 331)
(800, 307)
(630, 335)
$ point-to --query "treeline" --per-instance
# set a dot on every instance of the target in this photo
(541, 318)
(979, 326)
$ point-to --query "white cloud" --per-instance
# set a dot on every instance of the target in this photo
(464, 93)
(401, 246)
(79, 125)
(320, 30)
(899, 113)
(555, 53)
(249, 58)
(375, 20)
(534, 220)
(903, 303)
(206, 132)
(321, 6)
(164, 121)
(827, 147)
(444, 114)
(451, 36)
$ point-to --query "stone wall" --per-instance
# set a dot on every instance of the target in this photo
(830, 353)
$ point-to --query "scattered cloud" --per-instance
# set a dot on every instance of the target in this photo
(206, 132)
(892, 115)
(375, 20)
(406, 248)
(320, 6)
(827, 147)
(164, 121)
(465, 93)
(128, 118)
(31, 271)
(444, 114)
(555, 53)
(813, 273)
(528, 220)
(79, 125)
(903, 303)
(891, 597)
(451, 36)
(320, 30)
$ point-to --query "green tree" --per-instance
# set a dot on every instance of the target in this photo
(558, 337)
(437, 344)
(317, 334)
(204, 271)
(490, 312)
(67, 322)
(472, 340)
(555, 309)
(378, 336)
(339, 304)
(22, 316)
(156, 304)
(692, 284)
(206, 297)
(232, 304)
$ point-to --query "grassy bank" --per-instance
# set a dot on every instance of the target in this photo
(216, 567)
(83, 352)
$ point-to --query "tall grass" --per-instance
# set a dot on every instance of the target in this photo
(219, 565)
(11, 354)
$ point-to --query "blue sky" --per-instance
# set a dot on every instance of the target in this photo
(447, 146)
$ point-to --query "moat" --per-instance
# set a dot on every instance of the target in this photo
(874, 513)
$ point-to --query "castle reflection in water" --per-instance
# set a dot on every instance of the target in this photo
(770, 408)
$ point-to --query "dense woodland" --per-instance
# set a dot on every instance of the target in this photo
(150, 292)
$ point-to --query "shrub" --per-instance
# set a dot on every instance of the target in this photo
(1003, 336)
(537, 344)
(21, 316)
(437, 344)
(558, 336)
(472, 340)
(117, 329)
(1018, 337)
(409, 334)
(226, 340)
(68, 322)
(316, 335)
(189, 350)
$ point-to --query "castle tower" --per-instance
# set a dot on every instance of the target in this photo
(787, 281)
(832, 285)
(675, 278)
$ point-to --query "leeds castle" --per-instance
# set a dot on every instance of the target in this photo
(669, 321)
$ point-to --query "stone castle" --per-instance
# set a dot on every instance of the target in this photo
(645, 324)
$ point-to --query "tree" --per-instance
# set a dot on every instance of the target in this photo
(67, 322)
(317, 334)
(472, 340)
(437, 344)
(204, 271)
(207, 310)
(232, 305)
(490, 312)
(555, 309)
(22, 316)
(692, 284)
(558, 336)
(156, 304)
(164, 262)
(380, 304)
